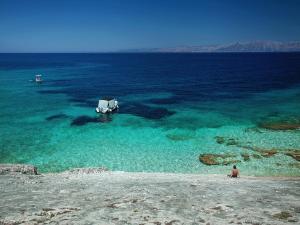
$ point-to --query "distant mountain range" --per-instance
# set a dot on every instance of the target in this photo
(255, 46)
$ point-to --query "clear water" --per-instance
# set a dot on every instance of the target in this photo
(172, 106)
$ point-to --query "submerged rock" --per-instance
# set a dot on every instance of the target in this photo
(226, 141)
(245, 156)
(209, 159)
(230, 162)
(280, 125)
(220, 140)
(256, 156)
(295, 154)
(232, 141)
(179, 137)
(263, 152)
(294, 165)
(18, 168)
(266, 153)
(217, 159)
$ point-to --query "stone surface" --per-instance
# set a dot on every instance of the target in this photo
(18, 168)
(147, 198)
(294, 154)
(86, 170)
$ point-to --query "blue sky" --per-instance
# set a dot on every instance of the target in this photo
(92, 26)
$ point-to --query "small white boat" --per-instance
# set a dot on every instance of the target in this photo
(38, 78)
(107, 105)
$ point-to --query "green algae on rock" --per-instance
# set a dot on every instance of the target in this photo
(295, 165)
(267, 153)
(263, 152)
(295, 154)
(232, 141)
(245, 156)
(256, 156)
(217, 159)
(226, 141)
(280, 125)
(220, 140)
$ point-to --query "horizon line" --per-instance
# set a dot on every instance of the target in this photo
(151, 52)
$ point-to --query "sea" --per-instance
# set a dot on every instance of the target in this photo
(174, 109)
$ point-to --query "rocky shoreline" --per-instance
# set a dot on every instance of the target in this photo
(98, 196)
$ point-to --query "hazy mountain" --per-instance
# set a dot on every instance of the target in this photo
(256, 46)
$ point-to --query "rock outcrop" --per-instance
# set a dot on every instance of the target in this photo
(218, 159)
(295, 154)
(18, 168)
(86, 170)
(280, 125)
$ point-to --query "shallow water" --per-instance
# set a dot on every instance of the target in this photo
(172, 107)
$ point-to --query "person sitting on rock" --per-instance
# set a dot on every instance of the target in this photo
(234, 172)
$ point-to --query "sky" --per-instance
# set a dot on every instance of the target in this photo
(112, 25)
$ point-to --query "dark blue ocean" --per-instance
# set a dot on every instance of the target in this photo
(173, 107)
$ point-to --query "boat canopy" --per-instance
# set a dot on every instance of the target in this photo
(112, 103)
(107, 104)
(103, 104)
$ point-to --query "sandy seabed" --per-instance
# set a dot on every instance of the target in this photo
(147, 198)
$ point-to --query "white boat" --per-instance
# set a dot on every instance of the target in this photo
(107, 105)
(38, 78)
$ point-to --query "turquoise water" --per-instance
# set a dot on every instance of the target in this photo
(153, 131)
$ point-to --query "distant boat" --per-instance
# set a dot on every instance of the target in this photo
(38, 78)
(107, 104)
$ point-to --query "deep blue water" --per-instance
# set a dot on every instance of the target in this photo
(159, 91)
(187, 76)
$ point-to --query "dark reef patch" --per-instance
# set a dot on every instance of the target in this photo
(145, 111)
(164, 101)
(280, 126)
(295, 154)
(226, 141)
(220, 140)
(245, 156)
(218, 159)
(57, 91)
(256, 156)
(83, 120)
(259, 152)
(179, 137)
(285, 124)
(57, 116)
